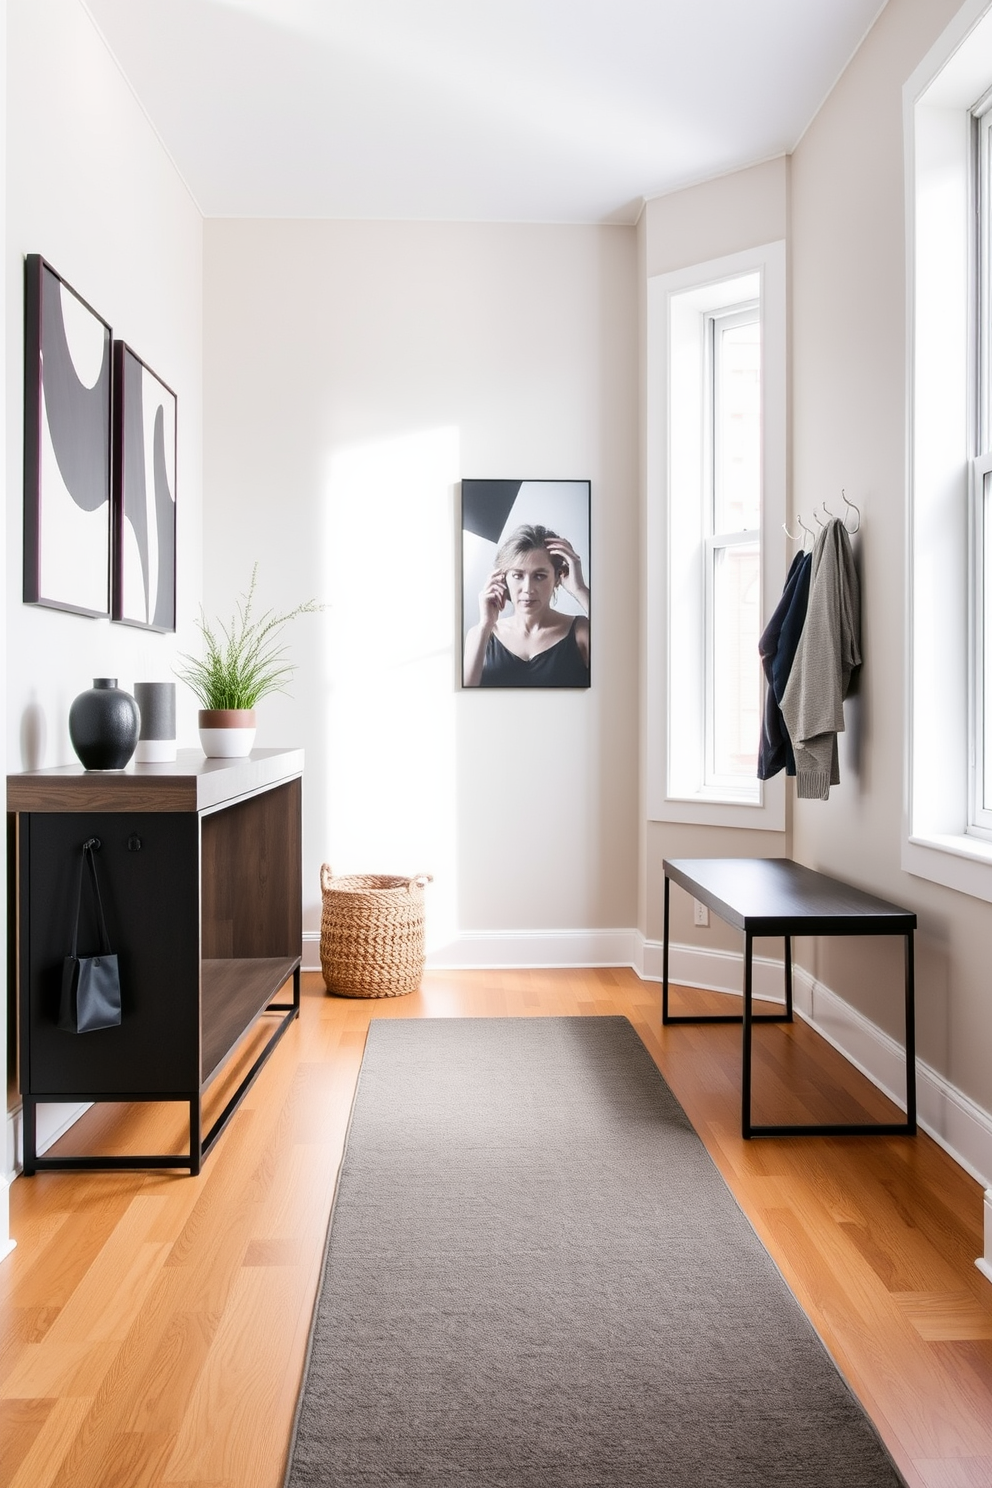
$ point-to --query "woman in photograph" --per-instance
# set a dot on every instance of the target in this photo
(534, 645)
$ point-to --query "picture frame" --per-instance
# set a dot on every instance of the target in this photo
(525, 583)
(144, 495)
(67, 446)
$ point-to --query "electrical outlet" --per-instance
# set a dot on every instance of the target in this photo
(700, 914)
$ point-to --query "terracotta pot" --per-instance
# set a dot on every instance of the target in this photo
(226, 733)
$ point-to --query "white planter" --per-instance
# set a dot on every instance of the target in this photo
(227, 733)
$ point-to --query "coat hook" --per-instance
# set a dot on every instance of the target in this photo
(849, 503)
(803, 529)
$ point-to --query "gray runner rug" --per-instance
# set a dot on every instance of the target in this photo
(537, 1278)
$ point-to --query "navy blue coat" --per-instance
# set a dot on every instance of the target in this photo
(777, 648)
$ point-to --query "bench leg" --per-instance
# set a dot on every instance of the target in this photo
(746, 1064)
(788, 978)
(664, 954)
(910, 1037)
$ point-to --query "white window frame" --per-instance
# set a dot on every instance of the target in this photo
(675, 608)
(980, 594)
(943, 592)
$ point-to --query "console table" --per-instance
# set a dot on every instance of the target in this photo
(200, 865)
(774, 896)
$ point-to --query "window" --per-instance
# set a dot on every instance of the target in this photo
(732, 596)
(948, 824)
(716, 489)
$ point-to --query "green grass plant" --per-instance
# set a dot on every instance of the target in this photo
(245, 660)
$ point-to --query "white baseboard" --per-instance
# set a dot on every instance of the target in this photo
(6, 1243)
(712, 971)
(547, 948)
(485, 950)
(984, 1263)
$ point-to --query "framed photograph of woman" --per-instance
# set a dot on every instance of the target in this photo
(526, 583)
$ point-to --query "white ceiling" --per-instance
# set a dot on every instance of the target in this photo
(479, 110)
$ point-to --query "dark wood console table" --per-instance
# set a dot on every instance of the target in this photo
(200, 868)
(774, 896)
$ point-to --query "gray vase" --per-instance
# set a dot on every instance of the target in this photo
(157, 737)
(103, 725)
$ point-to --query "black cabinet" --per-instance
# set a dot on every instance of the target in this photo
(200, 870)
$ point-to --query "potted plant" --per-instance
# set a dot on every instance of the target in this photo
(242, 663)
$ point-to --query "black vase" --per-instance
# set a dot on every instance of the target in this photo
(103, 725)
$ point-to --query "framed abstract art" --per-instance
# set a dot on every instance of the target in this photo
(67, 446)
(144, 587)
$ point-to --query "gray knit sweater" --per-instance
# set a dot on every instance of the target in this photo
(828, 652)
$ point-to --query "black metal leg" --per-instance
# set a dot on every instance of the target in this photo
(667, 1017)
(746, 1065)
(29, 1136)
(792, 916)
(788, 978)
(858, 1128)
(910, 1037)
(195, 1138)
(200, 1142)
(664, 956)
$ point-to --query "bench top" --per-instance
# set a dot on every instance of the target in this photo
(775, 896)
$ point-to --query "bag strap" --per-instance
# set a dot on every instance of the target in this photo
(89, 847)
(79, 899)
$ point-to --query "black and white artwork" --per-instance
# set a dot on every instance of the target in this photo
(67, 437)
(144, 495)
(526, 583)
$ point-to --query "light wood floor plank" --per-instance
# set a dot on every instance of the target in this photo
(42, 1463)
(957, 1472)
(154, 1325)
(239, 1385)
(21, 1421)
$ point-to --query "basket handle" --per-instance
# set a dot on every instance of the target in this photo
(420, 881)
(325, 875)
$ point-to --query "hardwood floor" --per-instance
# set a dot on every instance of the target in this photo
(154, 1325)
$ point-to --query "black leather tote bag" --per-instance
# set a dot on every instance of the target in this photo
(91, 987)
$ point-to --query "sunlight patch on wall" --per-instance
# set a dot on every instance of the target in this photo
(391, 565)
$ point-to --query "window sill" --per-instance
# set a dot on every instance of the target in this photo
(766, 814)
(952, 859)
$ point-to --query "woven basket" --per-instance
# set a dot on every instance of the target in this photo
(372, 933)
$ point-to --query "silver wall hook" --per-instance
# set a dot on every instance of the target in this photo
(851, 507)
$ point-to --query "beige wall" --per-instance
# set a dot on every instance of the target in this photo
(355, 372)
(724, 216)
(849, 430)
